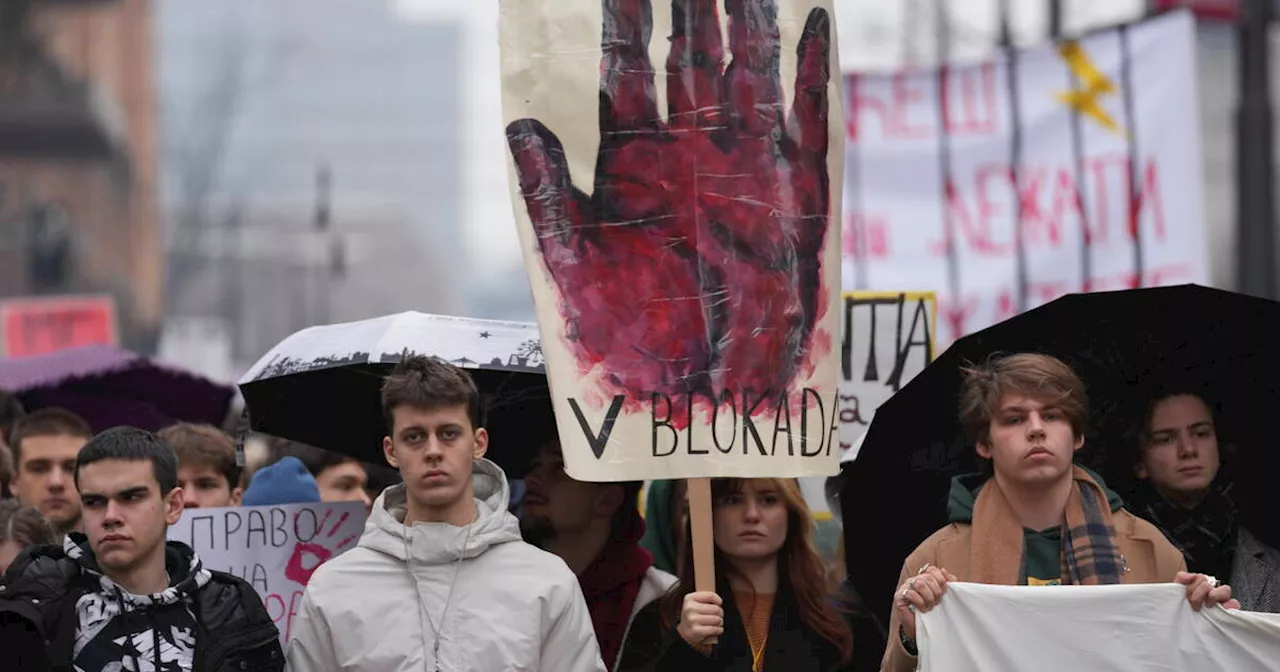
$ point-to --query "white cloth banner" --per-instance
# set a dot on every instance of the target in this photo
(275, 548)
(1058, 161)
(1137, 628)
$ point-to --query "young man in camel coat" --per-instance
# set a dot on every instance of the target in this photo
(1030, 521)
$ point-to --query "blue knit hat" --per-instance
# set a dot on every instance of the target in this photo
(285, 482)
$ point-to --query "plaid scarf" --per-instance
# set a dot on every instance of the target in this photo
(1206, 535)
(1089, 552)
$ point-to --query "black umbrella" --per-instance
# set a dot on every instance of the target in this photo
(321, 386)
(1122, 344)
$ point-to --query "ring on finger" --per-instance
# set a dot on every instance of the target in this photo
(924, 569)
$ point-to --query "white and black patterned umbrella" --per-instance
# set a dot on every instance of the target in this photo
(320, 386)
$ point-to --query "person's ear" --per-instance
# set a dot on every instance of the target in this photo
(481, 445)
(389, 452)
(1140, 470)
(1079, 443)
(236, 495)
(173, 506)
(984, 449)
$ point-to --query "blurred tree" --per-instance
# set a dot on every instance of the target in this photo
(207, 213)
(196, 164)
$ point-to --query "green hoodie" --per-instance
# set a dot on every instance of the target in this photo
(1042, 550)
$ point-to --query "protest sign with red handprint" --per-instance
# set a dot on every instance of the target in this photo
(275, 548)
(686, 302)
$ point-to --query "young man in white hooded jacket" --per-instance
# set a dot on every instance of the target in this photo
(441, 580)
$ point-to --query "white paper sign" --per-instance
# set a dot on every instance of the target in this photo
(274, 548)
(888, 338)
(676, 172)
(936, 156)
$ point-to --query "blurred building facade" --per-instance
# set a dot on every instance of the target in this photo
(78, 211)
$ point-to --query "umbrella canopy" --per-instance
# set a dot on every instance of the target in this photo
(1124, 345)
(321, 386)
(110, 386)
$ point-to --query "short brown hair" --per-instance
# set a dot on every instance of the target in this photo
(1040, 376)
(51, 421)
(203, 446)
(429, 382)
(24, 525)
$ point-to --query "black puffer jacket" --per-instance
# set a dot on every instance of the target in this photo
(38, 618)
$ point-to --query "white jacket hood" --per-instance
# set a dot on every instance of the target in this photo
(436, 596)
(385, 531)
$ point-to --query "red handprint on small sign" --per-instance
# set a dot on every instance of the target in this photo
(694, 268)
(308, 555)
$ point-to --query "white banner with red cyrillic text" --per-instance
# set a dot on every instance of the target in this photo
(1093, 146)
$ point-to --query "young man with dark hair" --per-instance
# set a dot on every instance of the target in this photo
(45, 444)
(1037, 520)
(119, 597)
(1187, 494)
(441, 579)
(339, 477)
(207, 471)
(595, 528)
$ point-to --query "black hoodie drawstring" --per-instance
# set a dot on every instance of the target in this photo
(125, 608)
(155, 640)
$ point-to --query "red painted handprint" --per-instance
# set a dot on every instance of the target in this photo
(308, 555)
(694, 267)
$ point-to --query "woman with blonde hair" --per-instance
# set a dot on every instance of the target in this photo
(771, 609)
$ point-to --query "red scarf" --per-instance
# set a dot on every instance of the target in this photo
(610, 585)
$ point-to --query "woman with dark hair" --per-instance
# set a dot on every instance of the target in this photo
(771, 609)
(20, 527)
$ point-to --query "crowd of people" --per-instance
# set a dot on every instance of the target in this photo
(462, 568)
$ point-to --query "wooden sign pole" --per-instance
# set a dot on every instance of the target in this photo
(704, 566)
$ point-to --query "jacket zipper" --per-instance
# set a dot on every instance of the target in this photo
(247, 641)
